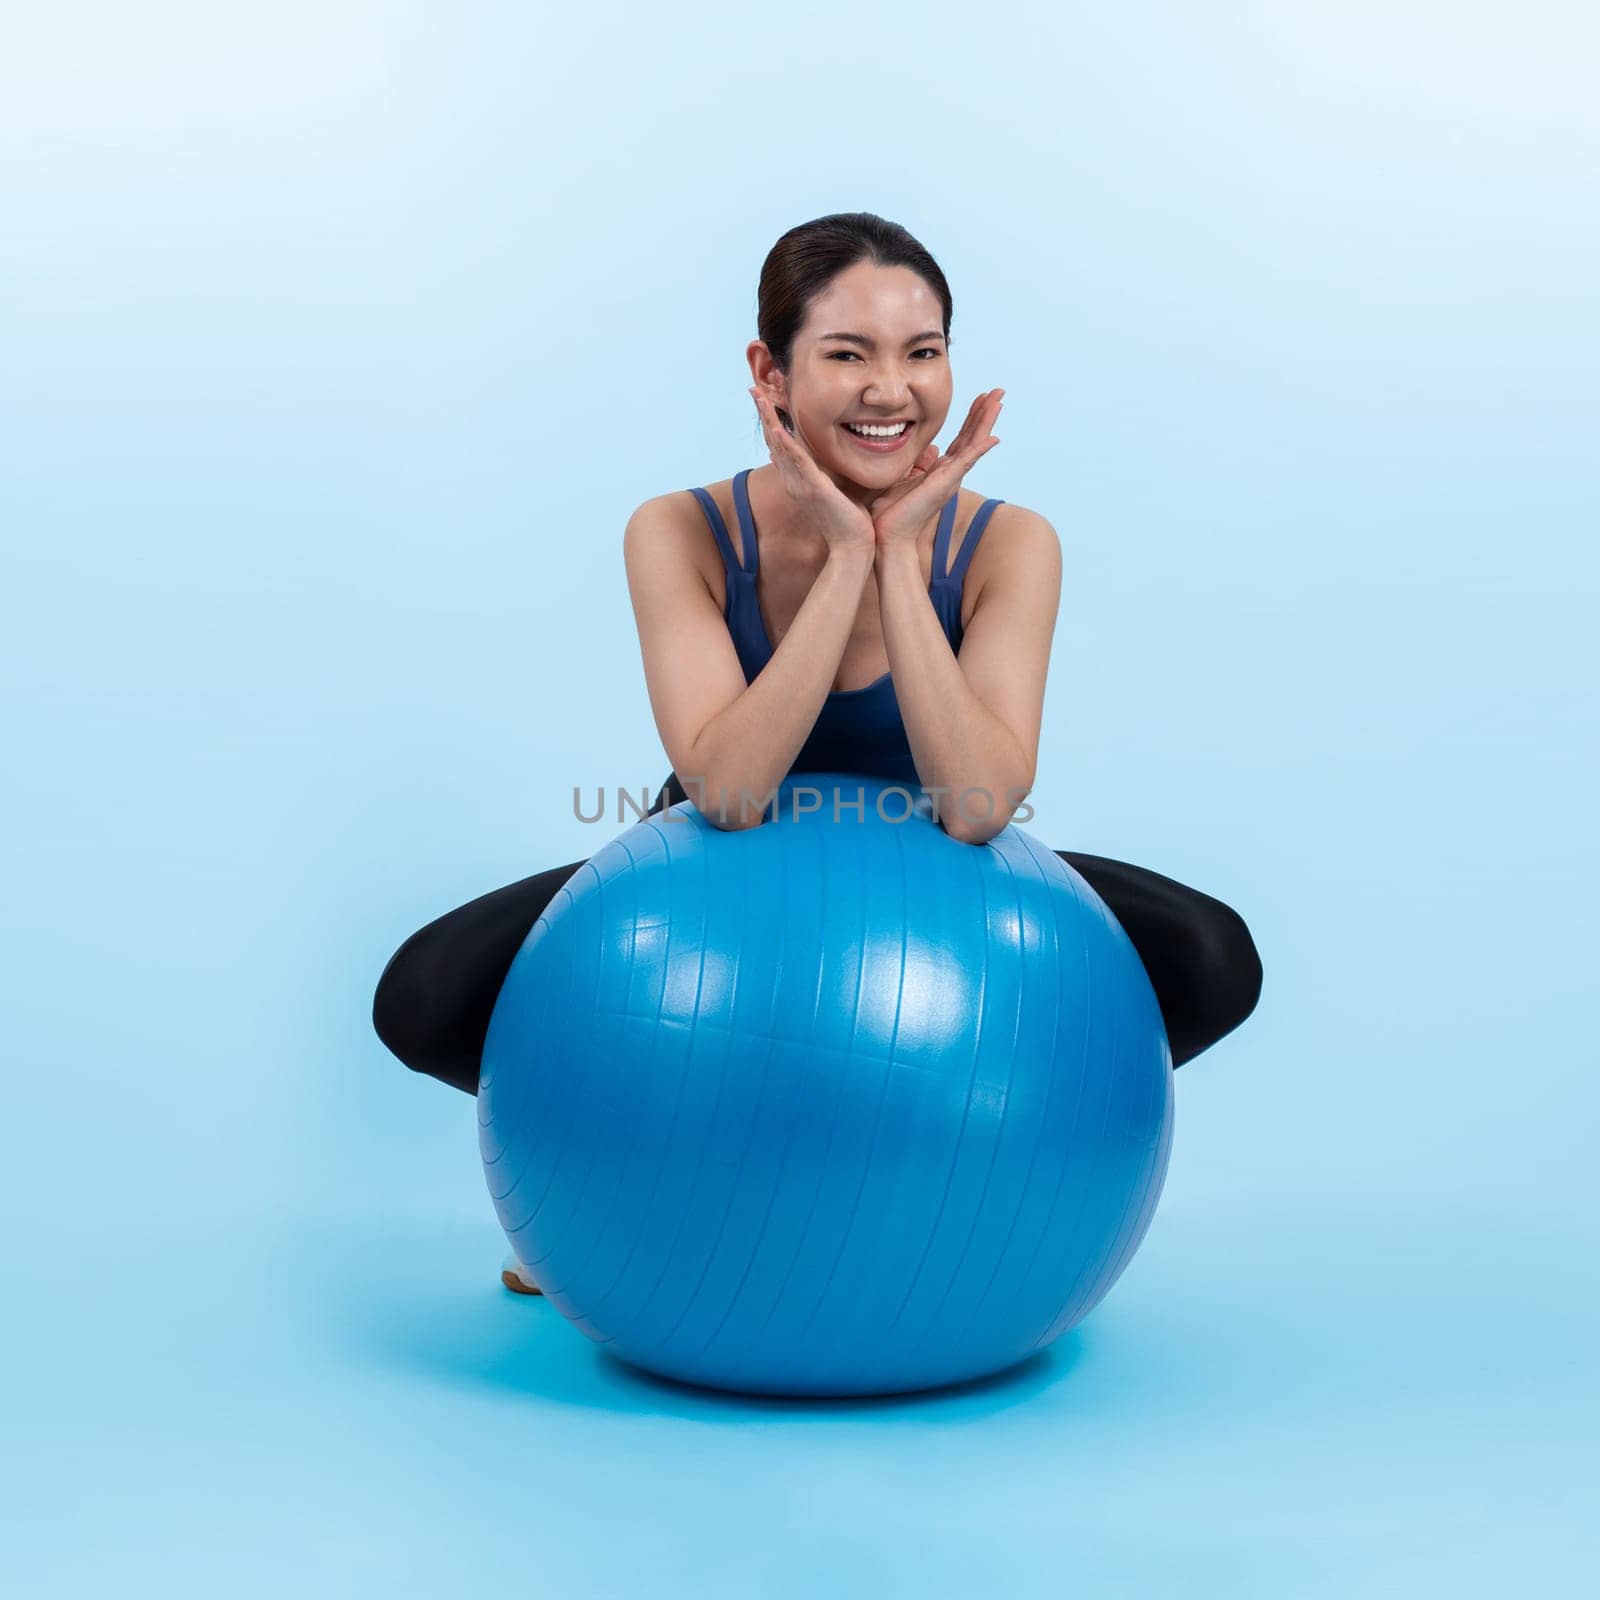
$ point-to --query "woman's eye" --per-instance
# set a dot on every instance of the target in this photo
(926, 350)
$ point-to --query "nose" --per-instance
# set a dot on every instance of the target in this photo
(887, 392)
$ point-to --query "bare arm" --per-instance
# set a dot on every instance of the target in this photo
(730, 743)
(973, 722)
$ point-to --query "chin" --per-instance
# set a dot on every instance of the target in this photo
(887, 472)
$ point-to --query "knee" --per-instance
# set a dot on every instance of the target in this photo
(402, 1007)
(1212, 983)
(1232, 967)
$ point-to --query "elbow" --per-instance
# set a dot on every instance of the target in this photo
(730, 822)
(971, 830)
(728, 810)
(976, 828)
(974, 832)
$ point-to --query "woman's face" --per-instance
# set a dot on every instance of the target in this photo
(892, 367)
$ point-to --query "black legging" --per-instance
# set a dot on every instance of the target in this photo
(435, 997)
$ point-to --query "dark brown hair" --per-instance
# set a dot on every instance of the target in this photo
(808, 258)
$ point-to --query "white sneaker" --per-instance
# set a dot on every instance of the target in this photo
(517, 1277)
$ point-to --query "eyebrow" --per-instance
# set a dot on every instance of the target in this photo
(861, 338)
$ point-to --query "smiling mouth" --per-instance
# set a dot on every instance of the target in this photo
(875, 437)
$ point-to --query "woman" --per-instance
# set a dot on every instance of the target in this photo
(883, 620)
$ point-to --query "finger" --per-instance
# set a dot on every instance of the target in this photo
(769, 417)
(971, 427)
(969, 444)
(962, 432)
(780, 437)
(925, 458)
(778, 441)
(948, 471)
(793, 459)
(755, 400)
(984, 411)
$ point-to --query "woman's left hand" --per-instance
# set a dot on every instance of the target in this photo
(903, 509)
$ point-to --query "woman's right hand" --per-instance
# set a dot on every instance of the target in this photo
(817, 500)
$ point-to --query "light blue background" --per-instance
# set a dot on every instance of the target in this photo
(336, 345)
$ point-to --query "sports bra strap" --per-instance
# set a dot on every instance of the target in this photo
(941, 541)
(719, 529)
(747, 522)
(752, 562)
(941, 538)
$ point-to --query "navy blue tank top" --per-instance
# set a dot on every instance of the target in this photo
(857, 730)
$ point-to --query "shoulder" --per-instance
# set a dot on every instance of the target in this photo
(672, 528)
(676, 516)
(1020, 522)
(676, 506)
(1018, 544)
(1009, 523)
(683, 510)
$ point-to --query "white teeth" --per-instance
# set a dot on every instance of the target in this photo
(870, 430)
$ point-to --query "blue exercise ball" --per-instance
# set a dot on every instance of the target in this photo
(833, 1105)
